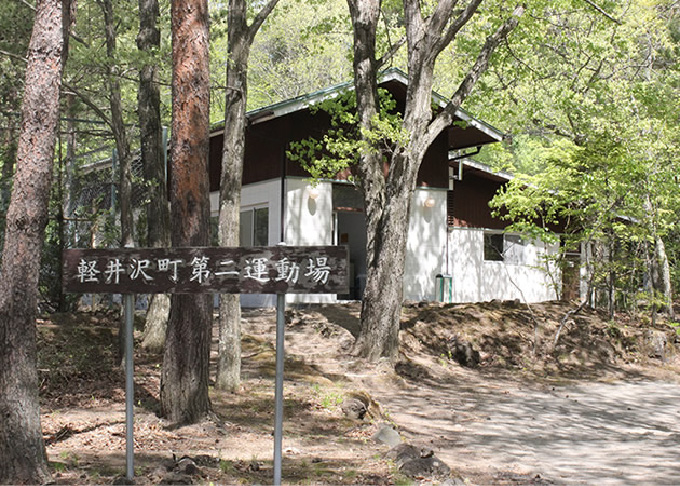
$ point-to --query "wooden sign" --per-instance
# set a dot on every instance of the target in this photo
(239, 270)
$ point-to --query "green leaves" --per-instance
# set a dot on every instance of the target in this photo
(342, 146)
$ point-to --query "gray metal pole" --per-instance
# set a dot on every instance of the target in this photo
(278, 387)
(128, 309)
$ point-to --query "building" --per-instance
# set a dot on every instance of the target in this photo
(457, 252)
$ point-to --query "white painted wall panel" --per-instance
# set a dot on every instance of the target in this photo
(426, 245)
(308, 222)
(479, 280)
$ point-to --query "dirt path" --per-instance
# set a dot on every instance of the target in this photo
(589, 433)
(622, 433)
(495, 427)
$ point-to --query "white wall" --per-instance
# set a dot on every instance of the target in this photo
(260, 194)
(309, 222)
(426, 245)
(478, 280)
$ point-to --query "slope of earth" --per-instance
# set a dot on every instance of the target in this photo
(464, 413)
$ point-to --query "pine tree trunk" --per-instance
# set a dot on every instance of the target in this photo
(22, 450)
(151, 142)
(118, 129)
(10, 146)
(122, 148)
(184, 379)
(8, 163)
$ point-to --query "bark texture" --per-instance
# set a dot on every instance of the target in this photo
(153, 159)
(118, 128)
(388, 196)
(10, 150)
(184, 379)
(664, 277)
(21, 444)
(123, 158)
(240, 38)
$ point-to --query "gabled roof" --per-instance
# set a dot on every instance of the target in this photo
(482, 133)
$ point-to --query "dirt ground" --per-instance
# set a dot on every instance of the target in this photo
(517, 404)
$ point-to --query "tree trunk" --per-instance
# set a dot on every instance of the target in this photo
(233, 151)
(664, 276)
(153, 159)
(652, 269)
(184, 379)
(118, 129)
(157, 316)
(241, 37)
(122, 148)
(387, 199)
(21, 443)
(7, 165)
(383, 295)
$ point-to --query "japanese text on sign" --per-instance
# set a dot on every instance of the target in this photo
(277, 269)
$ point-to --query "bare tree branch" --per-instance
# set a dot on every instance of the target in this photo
(601, 10)
(260, 18)
(394, 48)
(25, 2)
(445, 118)
(15, 56)
(75, 37)
(414, 20)
(88, 102)
(456, 25)
(441, 15)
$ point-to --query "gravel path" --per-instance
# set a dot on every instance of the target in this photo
(591, 433)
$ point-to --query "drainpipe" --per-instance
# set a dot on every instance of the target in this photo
(283, 195)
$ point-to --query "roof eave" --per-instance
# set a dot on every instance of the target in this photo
(299, 103)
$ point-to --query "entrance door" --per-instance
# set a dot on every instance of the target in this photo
(350, 228)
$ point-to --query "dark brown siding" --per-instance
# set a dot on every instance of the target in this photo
(215, 161)
(267, 142)
(469, 203)
(434, 171)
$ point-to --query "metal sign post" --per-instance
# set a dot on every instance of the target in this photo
(256, 270)
(128, 309)
(278, 386)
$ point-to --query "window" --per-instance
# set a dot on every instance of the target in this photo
(514, 249)
(255, 227)
(493, 247)
(501, 247)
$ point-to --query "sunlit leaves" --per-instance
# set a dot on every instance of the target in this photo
(342, 146)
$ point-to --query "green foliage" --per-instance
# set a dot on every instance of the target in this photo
(589, 99)
(342, 145)
(676, 327)
(592, 100)
(304, 46)
(227, 467)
